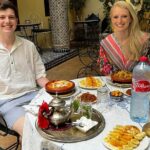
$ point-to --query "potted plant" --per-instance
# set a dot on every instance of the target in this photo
(77, 6)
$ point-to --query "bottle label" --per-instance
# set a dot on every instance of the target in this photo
(141, 86)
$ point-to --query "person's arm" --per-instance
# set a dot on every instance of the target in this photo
(42, 81)
(39, 68)
(104, 64)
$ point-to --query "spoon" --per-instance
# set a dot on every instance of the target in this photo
(80, 124)
(146, 129)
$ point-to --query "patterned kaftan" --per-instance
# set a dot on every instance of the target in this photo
(111, 57)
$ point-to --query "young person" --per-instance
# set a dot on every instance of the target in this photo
(122, 49)
(21, 69)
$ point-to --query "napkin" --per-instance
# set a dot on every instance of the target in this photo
(87, 124)
(40, 97)
(33, 106)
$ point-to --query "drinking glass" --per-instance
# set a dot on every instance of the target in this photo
(102, 95)
(75, 105)
(86, 109)
(103, 99)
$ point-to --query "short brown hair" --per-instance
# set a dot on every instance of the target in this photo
(5, 4)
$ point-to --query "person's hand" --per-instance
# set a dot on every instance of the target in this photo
(42, 81)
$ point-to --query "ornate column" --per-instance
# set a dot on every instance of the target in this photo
(59, 24)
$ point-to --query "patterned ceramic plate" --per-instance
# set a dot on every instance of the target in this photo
(108, 80)
(97, 83)
(142, 146)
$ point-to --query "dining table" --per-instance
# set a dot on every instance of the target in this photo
(25, 28)
(116, 113)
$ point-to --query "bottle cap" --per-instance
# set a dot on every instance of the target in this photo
(143, 59)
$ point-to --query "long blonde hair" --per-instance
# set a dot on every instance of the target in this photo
(135, 33)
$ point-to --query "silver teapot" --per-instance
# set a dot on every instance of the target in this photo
(60, 113)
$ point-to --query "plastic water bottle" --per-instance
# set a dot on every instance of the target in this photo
(139, 106)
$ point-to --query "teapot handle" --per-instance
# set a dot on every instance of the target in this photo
(51, 110)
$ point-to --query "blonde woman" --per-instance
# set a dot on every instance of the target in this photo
(121, 49)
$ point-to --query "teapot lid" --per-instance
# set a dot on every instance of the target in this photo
(56, 102)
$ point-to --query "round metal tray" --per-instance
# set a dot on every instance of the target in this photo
(72, 134)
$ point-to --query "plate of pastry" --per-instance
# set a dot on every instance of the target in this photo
(126, 137)
(91, 83)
